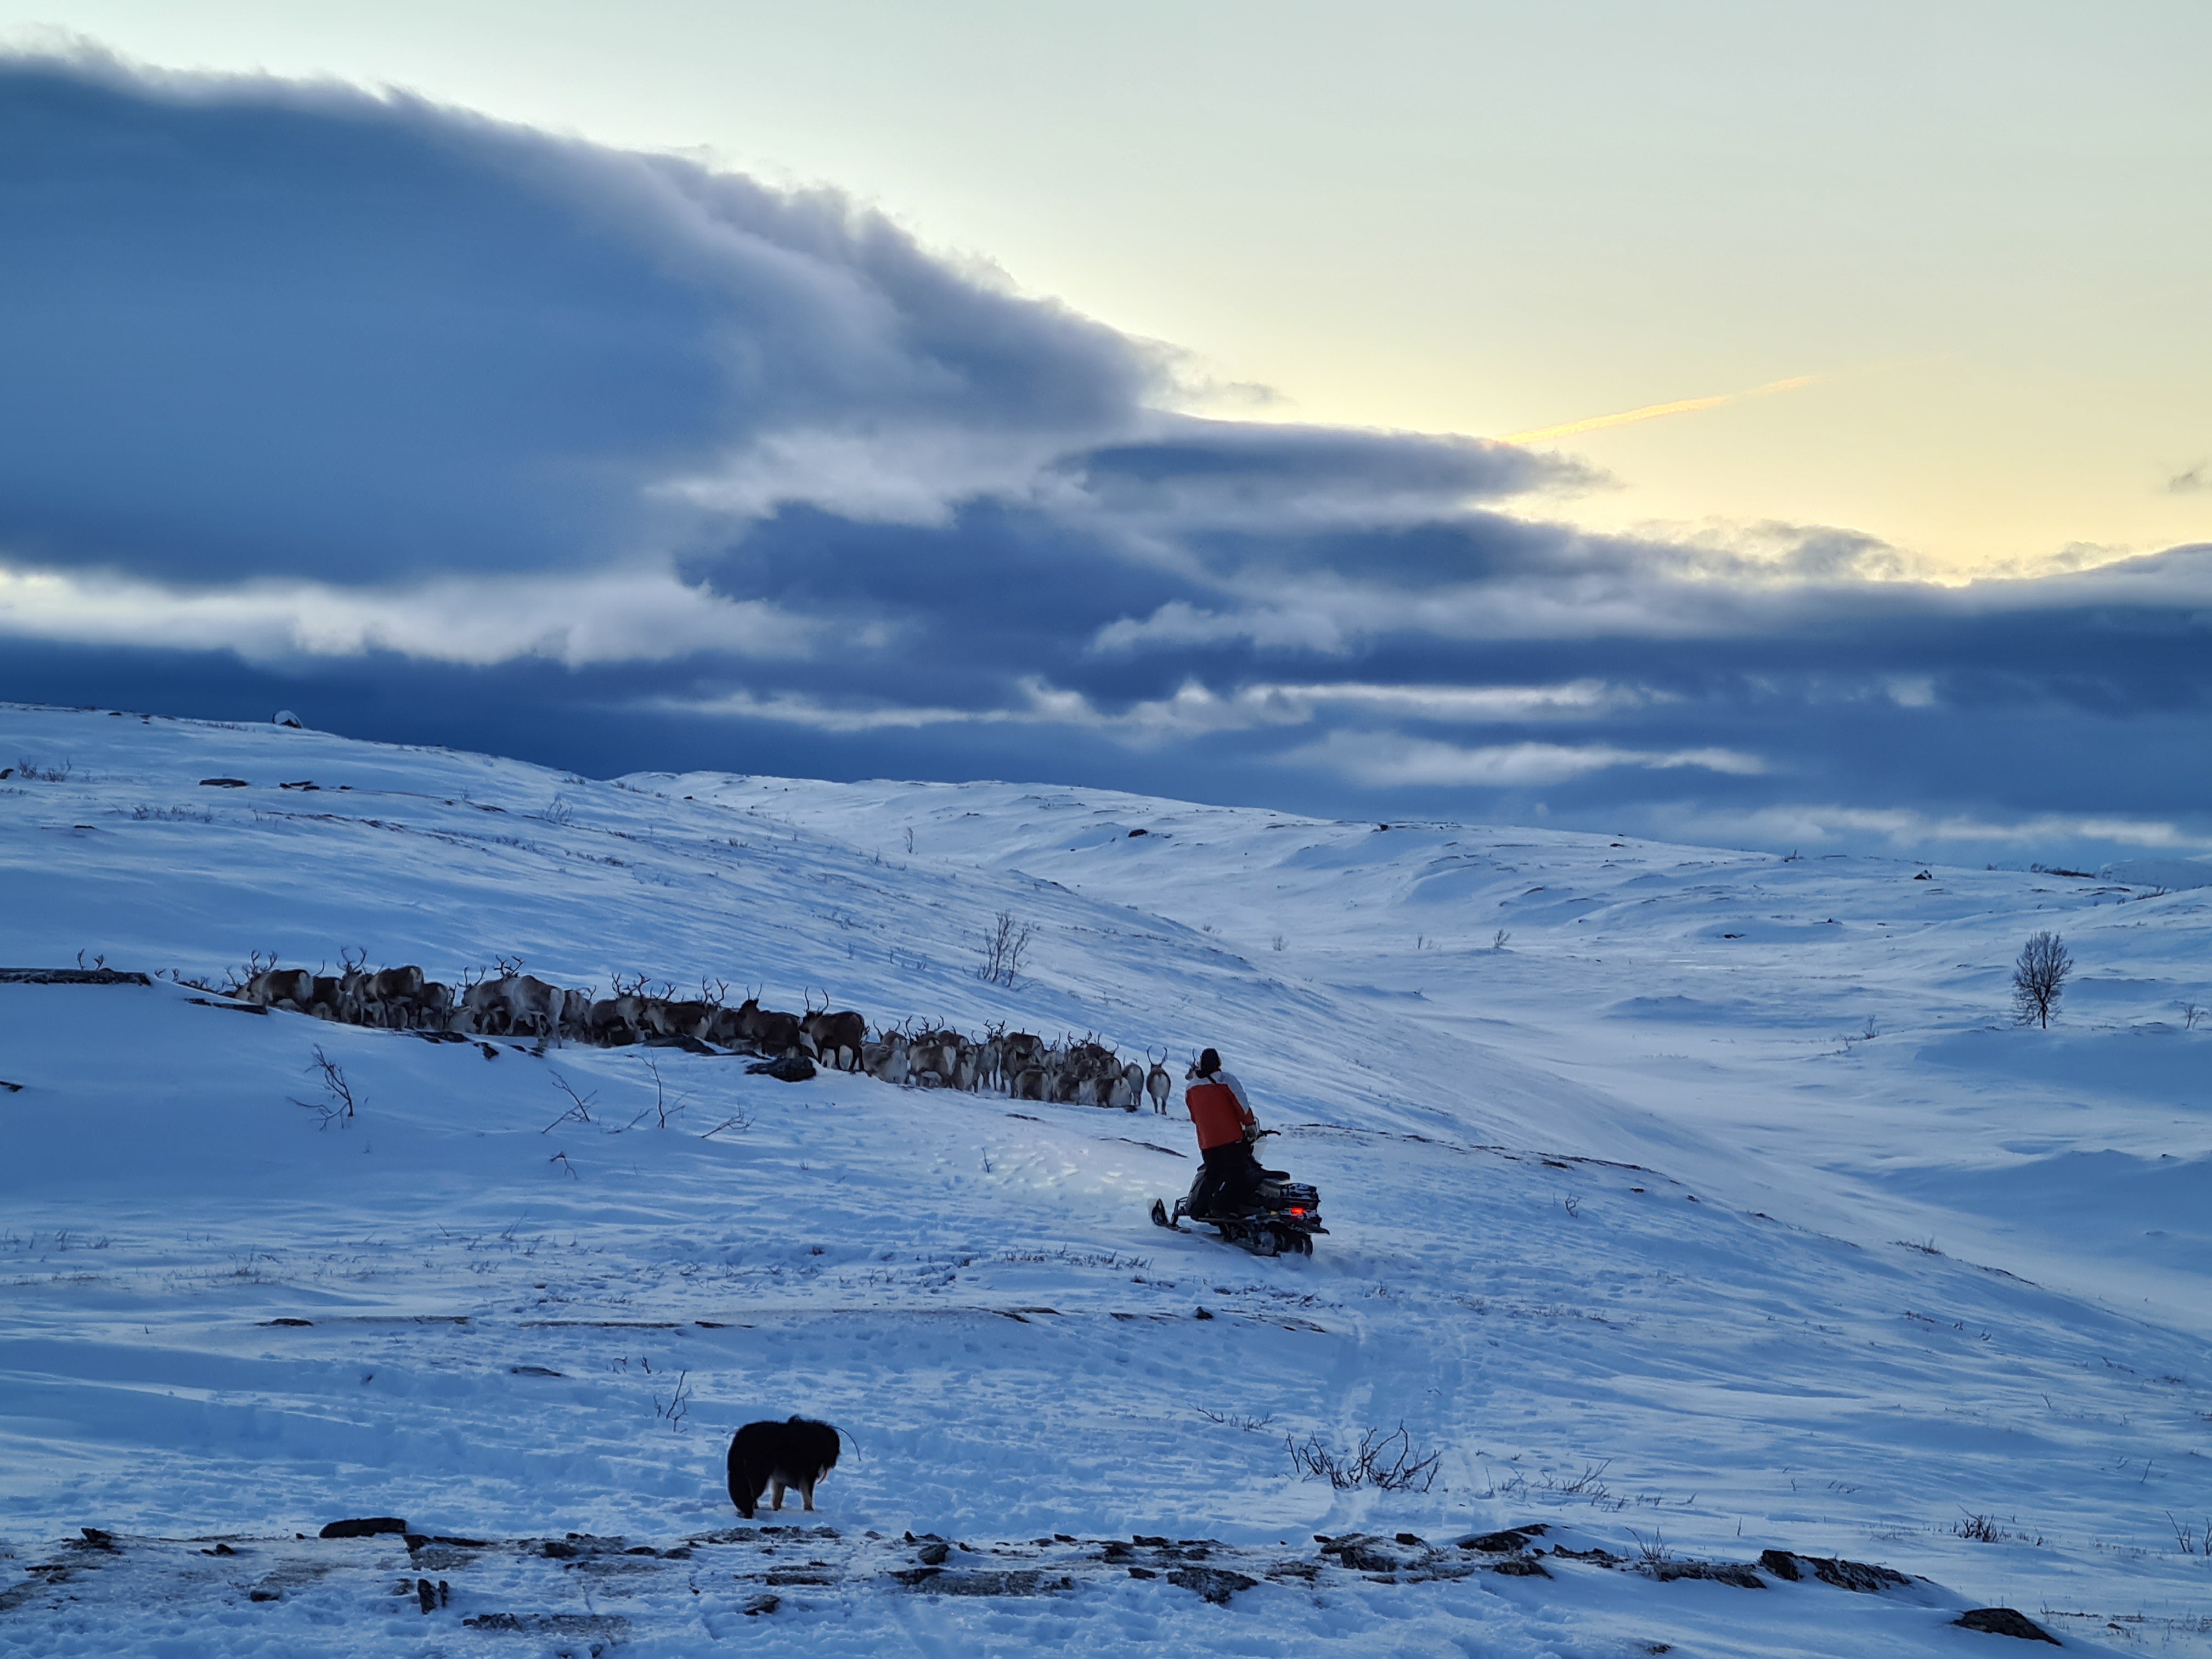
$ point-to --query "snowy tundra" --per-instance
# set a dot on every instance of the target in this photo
(1686, 1205)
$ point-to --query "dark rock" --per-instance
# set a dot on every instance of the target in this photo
(1216, 1584)
(1738, 1573)
(224, 783)
(2004, 1621)
(372, 1525)
(1596, 1555)
(1781, 1564)
(1018, 1581)
(70, 976)
(1148, 1542)
(1142, 1572)
(96, 1539)
(1522, 1566)
(762, 1604)
(933, 1555)
(299, 1324)
(531, 1371)
(1511, 1541)
(1361, 1553)
(1854, 1575)
(262, 1595)
(1413, 1538)
(426, 1595)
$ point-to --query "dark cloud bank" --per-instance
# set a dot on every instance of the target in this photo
(438, 430)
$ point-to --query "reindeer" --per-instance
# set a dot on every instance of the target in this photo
(386, 998)
(614, 1022)
(990, 1058)
(431, 1008)
(937, 1059)
(1129, 1088)
(1018, 1052)
(1158, 1084)
(886, 1057)
(679, 1019)
(354, 1004)
(773, 1033)
(281, 987)
(515, 1005)
(836, 1036)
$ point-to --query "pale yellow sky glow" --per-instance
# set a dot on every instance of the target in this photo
(1651, 412)
(1467, 217)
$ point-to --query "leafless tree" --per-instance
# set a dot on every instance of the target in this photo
(1005, 943)
(339, 1106)
(2038, 978)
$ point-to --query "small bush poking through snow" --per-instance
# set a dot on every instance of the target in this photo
(1005, 944)
(337, 1104)
(1389, 1461)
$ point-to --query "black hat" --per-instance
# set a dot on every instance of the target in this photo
(1209, 1062)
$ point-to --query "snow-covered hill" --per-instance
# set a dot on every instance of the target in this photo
(1632, 1221)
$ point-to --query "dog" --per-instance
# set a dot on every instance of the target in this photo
(786, 1456)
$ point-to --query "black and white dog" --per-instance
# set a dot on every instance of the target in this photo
(786, 1456)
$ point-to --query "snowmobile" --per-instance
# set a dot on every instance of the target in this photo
(1281, 1217)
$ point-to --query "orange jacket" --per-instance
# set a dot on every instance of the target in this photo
(1220, 1117)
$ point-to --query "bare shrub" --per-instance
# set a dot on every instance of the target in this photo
(338, 1105)
(1006, 942)
(1388, 1461)
(580, 1106)
(2038, 978)
(679, 1405)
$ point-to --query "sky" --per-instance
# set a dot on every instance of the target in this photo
(1776, 426)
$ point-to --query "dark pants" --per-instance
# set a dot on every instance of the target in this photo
(1227, 1183)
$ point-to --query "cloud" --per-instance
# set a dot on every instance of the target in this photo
(444, 430)
(258, 328)
(572, 618)
(1833, 825)
(2189, 481)
(1394, 761)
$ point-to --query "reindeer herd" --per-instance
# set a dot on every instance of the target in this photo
(514, 1003)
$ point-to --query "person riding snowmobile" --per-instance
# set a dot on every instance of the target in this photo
(1221, 1114)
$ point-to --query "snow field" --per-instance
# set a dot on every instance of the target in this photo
(1748, 1353)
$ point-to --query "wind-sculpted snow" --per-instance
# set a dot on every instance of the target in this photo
(1632, 1225)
